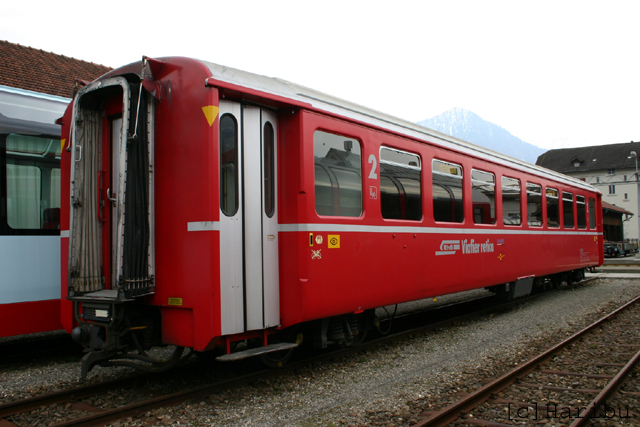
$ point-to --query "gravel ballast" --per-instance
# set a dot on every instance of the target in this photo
(387, 386)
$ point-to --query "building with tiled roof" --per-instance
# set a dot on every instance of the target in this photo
(35, 70)
(613, 169)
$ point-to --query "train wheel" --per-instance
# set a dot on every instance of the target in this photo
(277, 359)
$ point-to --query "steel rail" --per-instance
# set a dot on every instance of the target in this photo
(457, 409)
(609, 390)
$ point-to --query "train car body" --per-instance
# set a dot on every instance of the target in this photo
(29, 211)
(206, 205)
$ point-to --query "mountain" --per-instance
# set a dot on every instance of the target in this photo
(470, 127)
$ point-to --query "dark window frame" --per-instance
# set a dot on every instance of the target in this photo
(396, 166)
(568, 205)
(226, 164)
(479, 213)
(517, 220)
(454, 212)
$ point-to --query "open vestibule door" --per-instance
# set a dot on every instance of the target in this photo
(111, 224)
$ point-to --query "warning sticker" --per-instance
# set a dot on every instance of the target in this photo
(175, 301)
(333, 241)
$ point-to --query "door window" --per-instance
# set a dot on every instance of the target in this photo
(228, 165)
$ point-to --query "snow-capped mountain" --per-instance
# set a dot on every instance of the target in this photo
(470, 127)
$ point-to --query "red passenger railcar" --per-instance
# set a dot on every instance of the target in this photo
(206, 206)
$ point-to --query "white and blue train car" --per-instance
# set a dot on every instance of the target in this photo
(30, 149)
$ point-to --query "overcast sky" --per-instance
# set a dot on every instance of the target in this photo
(554, 73)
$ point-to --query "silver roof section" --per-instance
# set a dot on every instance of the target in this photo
(28, 111)
(331, 104)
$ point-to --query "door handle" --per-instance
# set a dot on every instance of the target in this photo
(112, 199)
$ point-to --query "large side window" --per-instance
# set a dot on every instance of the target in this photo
(592, 213)
(447, 192)
(400, 185)
(534, 205)
(582, 212)
(484, 197)
(228, 165)
(553, 210)
(338, 175)
(511, 210)
(567, 209)
(31, 195)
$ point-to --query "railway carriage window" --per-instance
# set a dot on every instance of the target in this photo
(447, 192)
(32, 177)
(389, 198)
(592, 213)
(582, 212)
(567, 209)
(269, 171)
(511, 210)
(400, 185)
(553, 213)
(338, 175)
(228, 165)
(534, 205)
(484, 197)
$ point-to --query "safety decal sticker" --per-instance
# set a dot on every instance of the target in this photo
(373, 192)
(333, 241)
(62, 142)
(175, 301)
(210, 112)
(316, 254)
(501, 256)
(319, 239)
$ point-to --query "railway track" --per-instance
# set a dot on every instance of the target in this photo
(572, 382)
(81, 406)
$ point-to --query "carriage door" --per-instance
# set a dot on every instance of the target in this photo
(248, 218)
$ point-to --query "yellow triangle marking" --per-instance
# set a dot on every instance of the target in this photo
(210, 112)
(62, 142)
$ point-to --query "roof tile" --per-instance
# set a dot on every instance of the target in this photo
(32, 69)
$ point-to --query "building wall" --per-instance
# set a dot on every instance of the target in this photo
(619, 187)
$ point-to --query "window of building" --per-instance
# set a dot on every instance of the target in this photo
(511, 209)
(534, 205)
(553, 211)
(483, 185)
(612, 189)
(400, 184)
(567, 209)
(592, 213)
(582, 212)
(611, 171)
(447, 192)
(338, 175)
(626, 196)
(228, 165)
